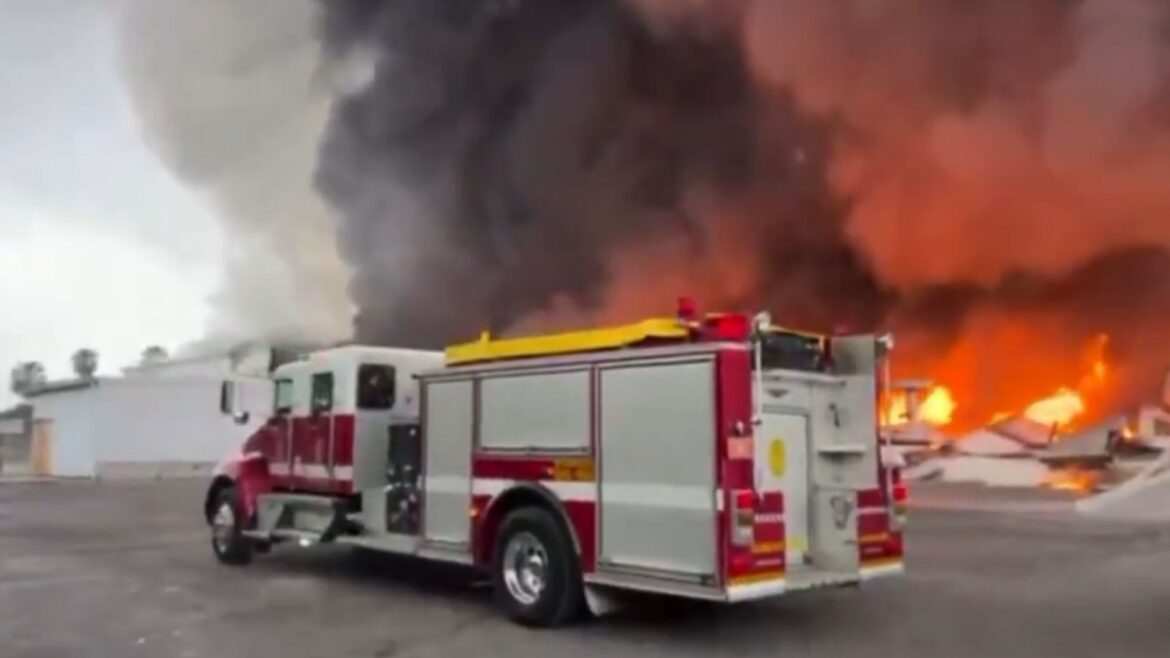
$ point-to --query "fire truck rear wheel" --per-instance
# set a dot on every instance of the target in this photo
(227, 539)
(536, 576)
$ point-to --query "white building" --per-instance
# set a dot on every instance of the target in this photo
(155, 421)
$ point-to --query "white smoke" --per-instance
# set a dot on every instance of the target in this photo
(226, 94)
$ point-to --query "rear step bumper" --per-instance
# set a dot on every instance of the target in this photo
(883, 569)
(812, 579)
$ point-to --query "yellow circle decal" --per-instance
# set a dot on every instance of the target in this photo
(777, 458)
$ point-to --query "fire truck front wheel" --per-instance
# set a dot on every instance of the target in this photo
(227, 539)
(537, 579)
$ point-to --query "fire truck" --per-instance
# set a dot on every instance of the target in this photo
(715, 456)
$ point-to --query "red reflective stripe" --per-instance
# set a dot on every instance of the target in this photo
(344, 426)
(769, 532)
(870, 498)
(737, 474)
(869, 524)
(512, 468)
(771, 502)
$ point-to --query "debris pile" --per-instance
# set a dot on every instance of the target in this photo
(1117, 458)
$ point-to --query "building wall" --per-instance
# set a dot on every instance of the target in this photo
(72, 431)
(142, 426)
(15, 440)
(164, 420)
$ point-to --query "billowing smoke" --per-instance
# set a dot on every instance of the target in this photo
(1015, 149)
(516, 160)
(226, 95)
(987, 178)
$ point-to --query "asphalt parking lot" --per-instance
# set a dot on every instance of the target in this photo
(123, 569)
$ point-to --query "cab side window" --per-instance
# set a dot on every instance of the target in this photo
(375, 387)
(283, 398)
(322, 393)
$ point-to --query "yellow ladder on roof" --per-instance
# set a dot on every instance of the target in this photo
(591, 340)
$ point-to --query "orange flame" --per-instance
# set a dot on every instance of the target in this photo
(1063, 408)
(1077, 379)
(1072, 479)
(937, 409)
(896, 410)
(1059, 409)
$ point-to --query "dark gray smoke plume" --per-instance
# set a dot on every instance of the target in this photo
(503, 151)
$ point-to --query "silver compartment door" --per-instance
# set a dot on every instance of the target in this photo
(657, 479)
(447, 470)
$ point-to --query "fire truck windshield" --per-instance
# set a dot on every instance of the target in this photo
(790, 351)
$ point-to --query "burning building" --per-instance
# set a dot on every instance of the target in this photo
(987, 180)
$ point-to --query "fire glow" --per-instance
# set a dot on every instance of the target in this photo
(1063, 409)
(1059, 410)
(1074, 480)
(937, 408)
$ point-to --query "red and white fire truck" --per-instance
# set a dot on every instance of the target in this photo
(716, 457)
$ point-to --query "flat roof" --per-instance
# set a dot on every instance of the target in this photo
(60, 386)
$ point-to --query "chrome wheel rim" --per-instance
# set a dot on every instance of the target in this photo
(525, 568)
(222, 527)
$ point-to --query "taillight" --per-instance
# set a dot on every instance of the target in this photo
(898, 497)
(743, 517)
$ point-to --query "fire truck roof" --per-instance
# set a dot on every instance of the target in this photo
(655, 331)
(590, 340)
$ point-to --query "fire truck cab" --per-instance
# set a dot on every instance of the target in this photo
(716, 457)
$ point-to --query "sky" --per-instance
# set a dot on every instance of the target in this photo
(99, 246)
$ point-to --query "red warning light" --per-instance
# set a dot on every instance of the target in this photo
(729, 326)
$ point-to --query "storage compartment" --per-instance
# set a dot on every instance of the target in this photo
(657, 488)
(447, 446)
(546, 412)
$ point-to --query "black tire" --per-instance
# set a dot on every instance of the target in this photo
(233, 549)
(561, 598)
